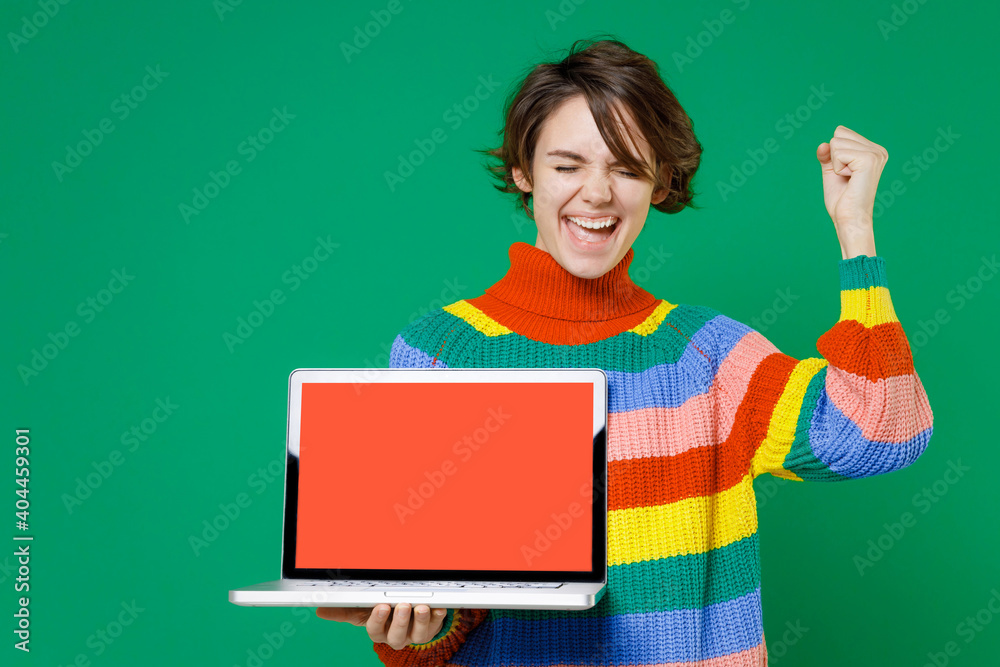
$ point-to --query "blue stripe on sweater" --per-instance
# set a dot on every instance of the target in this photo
(404, 355)
(839, 443)
(630, 639)
(687, 378)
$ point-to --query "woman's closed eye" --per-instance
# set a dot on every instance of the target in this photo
(567, 170)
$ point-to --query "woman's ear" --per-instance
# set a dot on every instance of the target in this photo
(666, 173)
(520, 180)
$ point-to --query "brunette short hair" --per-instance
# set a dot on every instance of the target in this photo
(606, 73)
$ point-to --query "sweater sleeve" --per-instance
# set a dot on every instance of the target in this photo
(458, 623)
(857, 411)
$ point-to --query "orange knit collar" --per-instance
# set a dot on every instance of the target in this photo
(540, 299)
(537, 283)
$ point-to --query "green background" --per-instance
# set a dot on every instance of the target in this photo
(439, 236)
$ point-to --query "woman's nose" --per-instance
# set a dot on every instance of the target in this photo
(596, 189)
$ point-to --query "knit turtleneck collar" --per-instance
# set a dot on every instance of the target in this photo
(539, 298)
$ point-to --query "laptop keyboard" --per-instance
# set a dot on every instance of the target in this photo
(433, 584)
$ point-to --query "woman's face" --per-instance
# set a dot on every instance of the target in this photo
(575, 181)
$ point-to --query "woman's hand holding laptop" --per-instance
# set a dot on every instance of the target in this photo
(395, 629)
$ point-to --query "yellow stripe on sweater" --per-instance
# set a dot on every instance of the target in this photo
(476, 318)
(688, 526)
(770, 456)
(870, 306)
(652, 323)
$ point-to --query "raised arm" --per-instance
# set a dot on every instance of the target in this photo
(859, 410)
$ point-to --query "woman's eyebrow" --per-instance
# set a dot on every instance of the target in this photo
(570, 155)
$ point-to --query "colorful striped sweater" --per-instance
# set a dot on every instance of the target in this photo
(699, 405)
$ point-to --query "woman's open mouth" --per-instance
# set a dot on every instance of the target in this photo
(591, 231)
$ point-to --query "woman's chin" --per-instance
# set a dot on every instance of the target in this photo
(584, 266)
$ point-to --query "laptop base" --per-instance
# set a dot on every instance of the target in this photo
(312, 593)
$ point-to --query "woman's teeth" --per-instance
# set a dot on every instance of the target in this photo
(593, 223)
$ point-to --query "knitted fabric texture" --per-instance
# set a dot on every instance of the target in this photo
(698, 406)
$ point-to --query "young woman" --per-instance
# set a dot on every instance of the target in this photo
(700, 404)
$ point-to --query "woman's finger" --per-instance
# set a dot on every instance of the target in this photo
(352, 615)
(399, 628)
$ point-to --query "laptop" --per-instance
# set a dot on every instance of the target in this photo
(451, 487)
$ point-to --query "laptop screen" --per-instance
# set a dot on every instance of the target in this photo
(462, 476)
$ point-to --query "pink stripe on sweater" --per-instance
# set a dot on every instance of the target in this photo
(734, 374)
(858, 397)
(752, 657)
(651, 432)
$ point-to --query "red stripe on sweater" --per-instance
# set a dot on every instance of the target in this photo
(706, 470)
(871, 353)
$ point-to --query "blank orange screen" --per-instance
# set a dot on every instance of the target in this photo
(446, 476)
